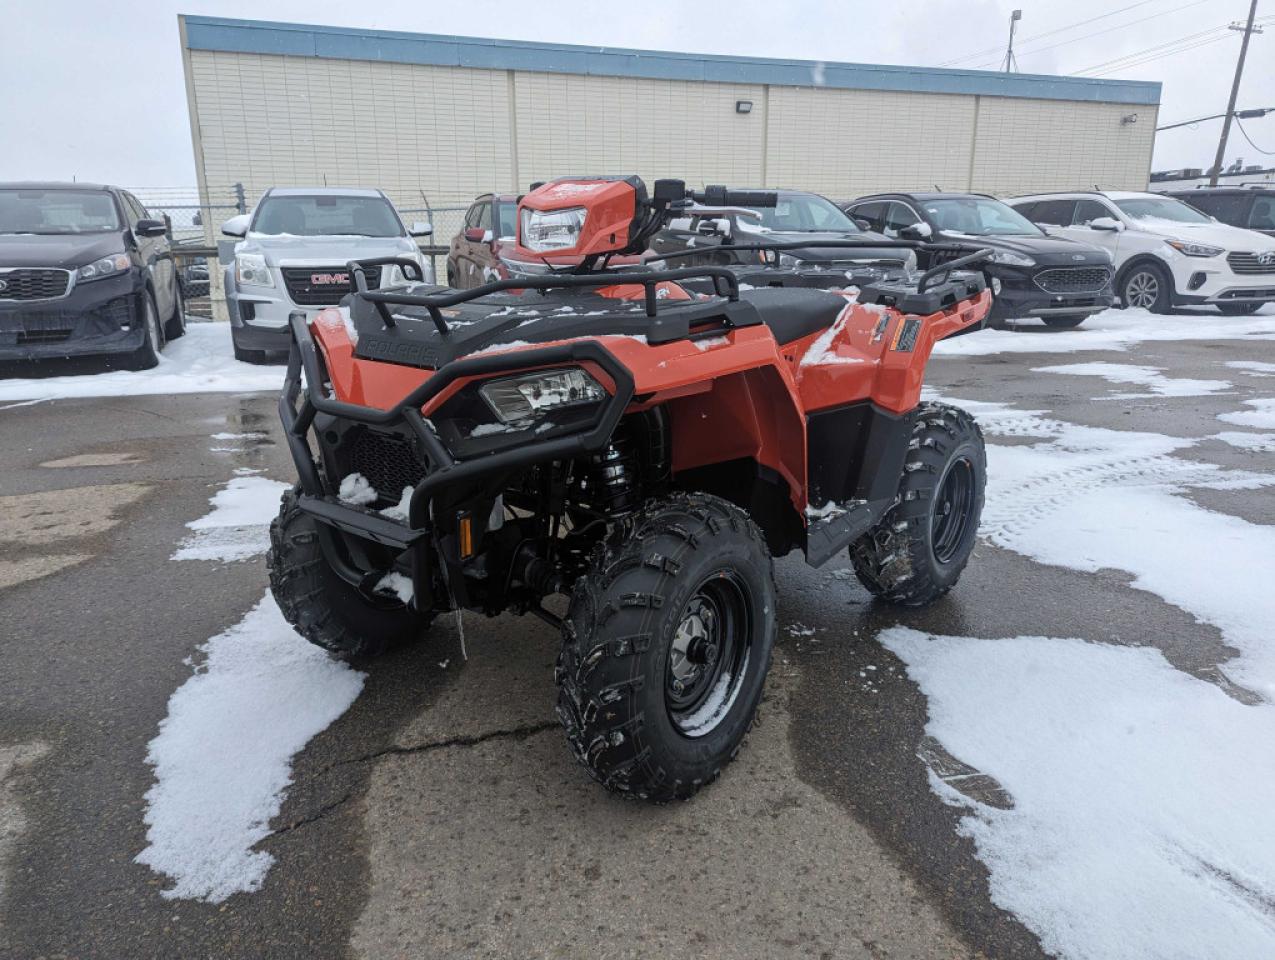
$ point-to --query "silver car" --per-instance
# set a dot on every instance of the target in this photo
(292, 256)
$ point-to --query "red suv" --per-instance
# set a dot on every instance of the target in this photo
(489, 228)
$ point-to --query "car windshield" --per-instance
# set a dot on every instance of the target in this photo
(1161, 208)
(979, 217)
(326, 216)
(57, 211)
(805, 213)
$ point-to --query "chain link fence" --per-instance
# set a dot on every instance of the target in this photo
(201, 252)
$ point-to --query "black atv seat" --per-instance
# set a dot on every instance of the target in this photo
(794, 312)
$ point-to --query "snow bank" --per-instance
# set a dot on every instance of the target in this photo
(222, 757)
(238, 526)
(1149, 377)
(1141, 826)
(200, 362)
(1110, 330)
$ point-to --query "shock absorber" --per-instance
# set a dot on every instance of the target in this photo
(615, 480)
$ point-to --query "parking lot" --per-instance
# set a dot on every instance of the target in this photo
(1062, 756)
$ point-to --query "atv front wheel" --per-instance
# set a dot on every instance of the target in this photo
(666, 647)
(323, 608)
(917, 551)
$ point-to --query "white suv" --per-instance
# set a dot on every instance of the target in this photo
(1166, 253)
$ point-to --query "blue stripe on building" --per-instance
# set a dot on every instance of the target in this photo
(342, 43)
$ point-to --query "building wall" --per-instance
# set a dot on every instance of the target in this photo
(450, 132)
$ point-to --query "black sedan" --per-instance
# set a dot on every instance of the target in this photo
(1033, 275)
(84, 270)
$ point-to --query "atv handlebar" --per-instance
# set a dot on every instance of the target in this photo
(715, 195)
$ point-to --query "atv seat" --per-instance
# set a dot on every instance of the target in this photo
(794, 312)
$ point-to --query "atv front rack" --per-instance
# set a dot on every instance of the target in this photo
(442, 468)
(725, 284)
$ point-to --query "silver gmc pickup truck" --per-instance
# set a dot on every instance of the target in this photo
(292, 256)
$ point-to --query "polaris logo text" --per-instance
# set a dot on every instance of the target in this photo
(328, 279)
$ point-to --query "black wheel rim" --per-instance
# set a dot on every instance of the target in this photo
(953, 510)
(709, 655)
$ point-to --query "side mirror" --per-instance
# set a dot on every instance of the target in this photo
(150, 228)
(236, 226)
(474, 234)
(916, 231)
(861, 223)
(1110, 224)
(421, 228)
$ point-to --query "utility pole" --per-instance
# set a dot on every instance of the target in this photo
(1249, 30)
(1011, 62)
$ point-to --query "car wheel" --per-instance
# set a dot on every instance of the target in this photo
(1239, 309)
(175, 326)
(1071, 320)
(147, 355)
(1146, 286)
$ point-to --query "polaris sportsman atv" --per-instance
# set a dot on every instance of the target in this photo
(609, 436)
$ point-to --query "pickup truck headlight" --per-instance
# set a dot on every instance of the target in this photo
(1011, 259)
(527, 397)
(251, 269)
(1194, 249)
(396, 276)
(106, 267)
(544, 230)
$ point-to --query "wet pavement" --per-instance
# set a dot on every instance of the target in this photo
(442, 815)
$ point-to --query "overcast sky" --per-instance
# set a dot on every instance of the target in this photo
(95, 90)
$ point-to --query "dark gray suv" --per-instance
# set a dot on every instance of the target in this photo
(84, 270)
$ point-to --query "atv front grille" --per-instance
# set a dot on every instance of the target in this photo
(1073, 279)
(323, 286)
(34, 283)
(388, 460)
(1242, 262)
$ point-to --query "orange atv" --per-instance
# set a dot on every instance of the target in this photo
(605, 434)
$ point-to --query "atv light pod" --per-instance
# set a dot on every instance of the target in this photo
(525, 397)
(545, 230)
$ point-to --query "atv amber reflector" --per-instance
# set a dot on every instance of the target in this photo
(544, 230)
(526, 397)
(465, 528)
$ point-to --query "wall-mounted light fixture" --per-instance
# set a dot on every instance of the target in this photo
(1128, 118)
(743, 106)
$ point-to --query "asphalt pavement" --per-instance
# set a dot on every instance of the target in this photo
(442, 815)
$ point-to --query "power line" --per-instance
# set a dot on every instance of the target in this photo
(1108, 71)
(1269, 153)
(1185, 41)
(1048, 33)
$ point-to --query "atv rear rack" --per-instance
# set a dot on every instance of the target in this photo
(725, 284)
(442, 467)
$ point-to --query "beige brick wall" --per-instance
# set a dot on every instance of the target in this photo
(654, 128)
(454, 132)
(845, 143)
(1029, 146)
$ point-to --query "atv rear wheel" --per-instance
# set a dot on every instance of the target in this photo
(917, 551)
(666, 647)
(323, 608)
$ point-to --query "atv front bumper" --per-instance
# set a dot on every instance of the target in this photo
(442, 468)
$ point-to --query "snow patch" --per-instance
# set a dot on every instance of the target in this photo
(1141, 825)
(399, 511)
(1253, 367)
(1262, 416)
(356, 489)
(200, 362)
(237, 528)
(395, 584)
(223, 754)
(1257, 442)
(1149, 377)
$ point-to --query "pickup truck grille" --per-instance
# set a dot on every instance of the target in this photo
(1073, 279)
(323, 286)
(34, 283)
(1242, 262)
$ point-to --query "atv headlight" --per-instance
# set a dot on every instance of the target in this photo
(1011, 259)
(544, 230)
(1194, 249)
(115, 263)
(529, 396)
(250, 268)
